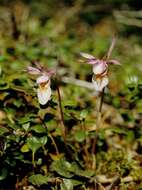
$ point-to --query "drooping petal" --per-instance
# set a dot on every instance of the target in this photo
(44, 93)
(33, 71)
(100, 67)
(100, 82)
(42, 79)
(114, 62)
(87, 56)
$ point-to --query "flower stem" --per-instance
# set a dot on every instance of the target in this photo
(98, 123)
(52, 139)
(54, 143)
(33, 159)
(61, 114)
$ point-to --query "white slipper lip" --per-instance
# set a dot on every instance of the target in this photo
(44, 93)
(100, 83)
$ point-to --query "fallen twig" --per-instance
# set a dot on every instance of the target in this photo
(115, 182)
(78, 82)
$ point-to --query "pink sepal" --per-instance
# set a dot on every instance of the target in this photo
(33, 70)
(114, 62)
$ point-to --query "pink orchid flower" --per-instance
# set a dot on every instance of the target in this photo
(43, 81)
(100, 68)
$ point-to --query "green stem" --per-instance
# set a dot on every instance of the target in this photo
(98, 123)
(56, 148)
(33, 159)
(61, 114)
(52, 139)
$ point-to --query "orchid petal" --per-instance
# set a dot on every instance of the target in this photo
(92, 61)
(111, 48)
(51, 72)
(87, 56)
(100, 83)
(44, 94)
(33, 70)
(114, 62)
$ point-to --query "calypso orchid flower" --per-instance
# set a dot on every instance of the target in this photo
(43, 81)
(100, 68)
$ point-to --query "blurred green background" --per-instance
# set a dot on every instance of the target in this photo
(54, 32)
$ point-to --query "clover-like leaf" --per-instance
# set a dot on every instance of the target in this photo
(38, 129)
(62, 167)
(34, 143)
(38, 179)
(80, 135)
